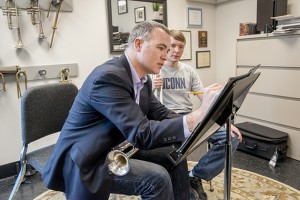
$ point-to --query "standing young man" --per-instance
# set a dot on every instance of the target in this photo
(176, 79)
(114, 104)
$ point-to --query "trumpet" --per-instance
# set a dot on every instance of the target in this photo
(118, 158)
(10, 10)
(36, 16)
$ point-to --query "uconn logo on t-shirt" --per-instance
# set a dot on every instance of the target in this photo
(174, 83)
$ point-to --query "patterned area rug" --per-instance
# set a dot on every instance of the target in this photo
(245, 185)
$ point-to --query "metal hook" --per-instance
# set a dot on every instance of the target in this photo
(24, 75)
(64, 75)
(42, 72)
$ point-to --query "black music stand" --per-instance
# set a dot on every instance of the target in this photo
(221, 111)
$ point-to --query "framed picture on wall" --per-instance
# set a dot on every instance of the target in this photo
(140, 14)
(202, 59)
(194, 17)
(187, 53)
(202, 39)
(122, 7)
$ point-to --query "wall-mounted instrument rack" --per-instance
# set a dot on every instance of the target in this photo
(42, 72)
(67, 5)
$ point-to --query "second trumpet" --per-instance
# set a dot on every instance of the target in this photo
(12, 12)
(36, 16)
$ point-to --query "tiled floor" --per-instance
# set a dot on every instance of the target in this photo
(286, 171)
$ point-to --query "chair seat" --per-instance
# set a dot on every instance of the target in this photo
(38, 158)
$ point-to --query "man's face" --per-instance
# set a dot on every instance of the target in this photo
(153, 53)
(176, 50)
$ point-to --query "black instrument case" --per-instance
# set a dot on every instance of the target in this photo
(262, 141)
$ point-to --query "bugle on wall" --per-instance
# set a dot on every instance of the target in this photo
(118, 158)
(11, 10)
(36, 16)
(57, 4)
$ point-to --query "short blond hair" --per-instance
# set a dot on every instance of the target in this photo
(177, 35)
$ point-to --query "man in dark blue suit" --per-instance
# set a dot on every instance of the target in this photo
(115, 104)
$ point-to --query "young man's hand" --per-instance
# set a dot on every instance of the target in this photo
(157, 82)
(210, 93)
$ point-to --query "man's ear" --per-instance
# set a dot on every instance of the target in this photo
(138, 42)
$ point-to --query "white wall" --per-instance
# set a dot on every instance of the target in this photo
(229, 15)
(81, 37)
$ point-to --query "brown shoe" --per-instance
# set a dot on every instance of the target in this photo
(196, 184)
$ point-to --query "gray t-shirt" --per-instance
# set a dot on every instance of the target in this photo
(176, 82)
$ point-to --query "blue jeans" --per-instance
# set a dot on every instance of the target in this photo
(154, 177)
(213, 162)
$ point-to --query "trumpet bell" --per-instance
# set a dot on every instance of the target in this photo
(20, 45)
(118, 163)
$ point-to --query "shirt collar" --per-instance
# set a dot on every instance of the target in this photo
(135, 77)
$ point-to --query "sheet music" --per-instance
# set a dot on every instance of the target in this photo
(214, 100)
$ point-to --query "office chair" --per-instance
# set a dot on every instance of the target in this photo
(44, 110)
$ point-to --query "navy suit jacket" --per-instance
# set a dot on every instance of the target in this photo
(103, 115)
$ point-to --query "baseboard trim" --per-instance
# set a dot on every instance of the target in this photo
(8, 170)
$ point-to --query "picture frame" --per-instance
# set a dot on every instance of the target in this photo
(194, 17)
(122, 7)
(187, 53)
(202, 39)
(140, 14)
(202, 59)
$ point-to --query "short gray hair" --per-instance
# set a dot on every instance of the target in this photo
(143, 30)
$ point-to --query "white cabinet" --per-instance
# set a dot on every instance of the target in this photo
(274, 99)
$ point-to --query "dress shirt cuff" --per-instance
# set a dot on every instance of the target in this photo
(186, 131)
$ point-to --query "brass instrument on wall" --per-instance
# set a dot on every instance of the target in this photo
(11, 10)
(118, 158)
(64, 75)
(3, 83)
(36, 16)
(57, 4)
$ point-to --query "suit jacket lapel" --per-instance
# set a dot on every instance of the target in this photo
(144, 104)
(125, 63)
(123, 60)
